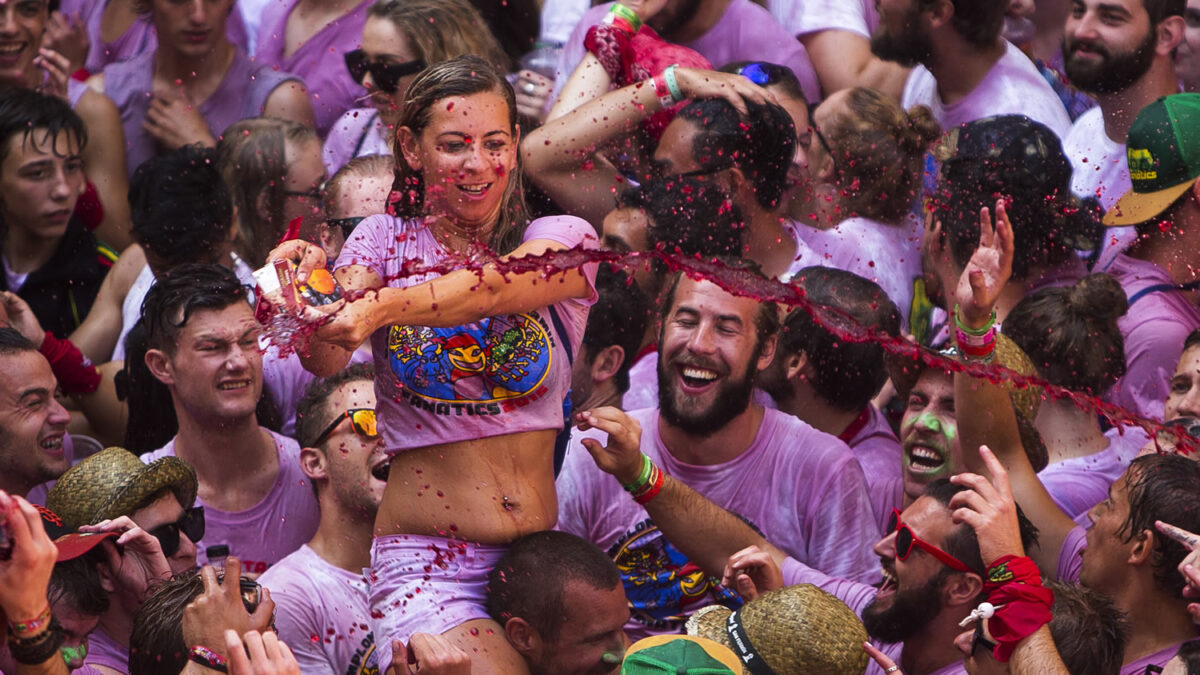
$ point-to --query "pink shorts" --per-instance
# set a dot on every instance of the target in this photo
(421, 584)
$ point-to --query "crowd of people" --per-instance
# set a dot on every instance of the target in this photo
(688, 336)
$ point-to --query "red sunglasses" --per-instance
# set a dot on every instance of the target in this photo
(906, 540)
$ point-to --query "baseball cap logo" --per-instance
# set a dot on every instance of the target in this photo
(1141, 164)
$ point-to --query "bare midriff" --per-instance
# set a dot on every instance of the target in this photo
(490, 490)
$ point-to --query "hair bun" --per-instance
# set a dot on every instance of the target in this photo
(925, 129)
(1098, 297)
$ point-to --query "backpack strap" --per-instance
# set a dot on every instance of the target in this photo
(1160, 288)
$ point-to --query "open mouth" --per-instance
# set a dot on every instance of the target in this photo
(9, 51)
(889, 584)
(52, 444)
(380, 471)
(233, 386)
(924, 459)
(475, 189)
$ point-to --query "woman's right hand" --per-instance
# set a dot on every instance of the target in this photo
(698, 84)
(306, 256)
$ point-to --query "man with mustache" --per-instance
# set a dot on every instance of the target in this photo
(1121, 52)
(964, 70)
(794, 483)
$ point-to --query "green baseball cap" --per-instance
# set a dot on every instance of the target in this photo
(679, 655)
(1163, 151)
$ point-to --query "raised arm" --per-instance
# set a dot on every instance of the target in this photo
(561, 156)
(984, 410)
(104, 163)
(97, 336)
(706, 533)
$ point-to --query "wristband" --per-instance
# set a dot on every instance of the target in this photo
(208, 658)
(75, 372)
(652, 488)
(36, 650)
(1018, 605)
(643, 475)
(672, 84)
(659, 85)
(29, 627)
(991, 323)
(619, 11)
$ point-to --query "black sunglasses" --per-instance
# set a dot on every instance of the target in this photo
(347, 225)
(386, 75)
(191, 524)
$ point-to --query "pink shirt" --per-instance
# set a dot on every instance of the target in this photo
(1079, 483)
(1012, 87)
(104, 651)
(643, 383)
(856, 596)
(318, 61)
(889, 255)
(1154, 328)
(358, 132)
(745, 32)
(800, 487)
(263, 534)
(321, 612)
(501, 375)
(803, 17)
(877, 449)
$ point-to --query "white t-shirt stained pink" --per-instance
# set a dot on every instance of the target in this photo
(1012, 87)
(800, 487)
(322, 613)
(1100, 170)
(803, 17)
(265, 533)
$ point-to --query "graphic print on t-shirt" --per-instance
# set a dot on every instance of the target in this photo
(497, 359)
(662, 585)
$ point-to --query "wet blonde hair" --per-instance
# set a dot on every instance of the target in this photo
(879, 153)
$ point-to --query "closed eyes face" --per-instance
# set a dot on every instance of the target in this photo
(1183, 398)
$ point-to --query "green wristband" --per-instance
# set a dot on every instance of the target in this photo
(643, 478)
(672, 84)
(976, 332)
(627, 14)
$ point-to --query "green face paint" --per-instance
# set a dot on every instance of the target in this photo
(74, 655)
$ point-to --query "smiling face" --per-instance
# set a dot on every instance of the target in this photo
(910, 595)
(194, 27)
(22, 23)
(32, 423)
(215, 372)
(709, 354)
(165, 510)
(466, 156)
(384, 42)
(1108, 45)
(1183, 399)
(41, 178)
(355, 465)
(929, 433)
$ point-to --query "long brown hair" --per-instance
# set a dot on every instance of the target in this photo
(460, 76)
(442, 29)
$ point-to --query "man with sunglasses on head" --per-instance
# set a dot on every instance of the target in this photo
(203, 344)
(159, 498)
(320, 589)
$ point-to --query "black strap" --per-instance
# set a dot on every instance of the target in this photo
(751, 659)
(362, 138)
(564, 437)
(1159, 288)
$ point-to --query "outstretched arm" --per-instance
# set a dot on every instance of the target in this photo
(984, 411)
(843, 59)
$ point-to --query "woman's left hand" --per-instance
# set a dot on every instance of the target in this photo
(988, 270)
(352, 322)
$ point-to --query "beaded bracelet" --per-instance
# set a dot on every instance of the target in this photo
(35, 650)
(619, 11)
(672, 84)
(208, 658)
(30, 626)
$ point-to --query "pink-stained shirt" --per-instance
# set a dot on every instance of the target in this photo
(1100, 171)
(745, 32)
(877, 449)
(501, 375)
(265, 533)
(803, 17)
(104, 651)
(857, 597)
(1154, 329)
(321, 612)
(1070, 562)
(358, 132)
(1079, 483)
(643, 383)
(242, 94)
(800, 487)
(1012, 87)
(319, 61)
(138, 39)
(889, 255)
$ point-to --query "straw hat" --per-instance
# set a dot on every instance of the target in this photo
(114, 482)
(798, 630)
(1025, 401)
